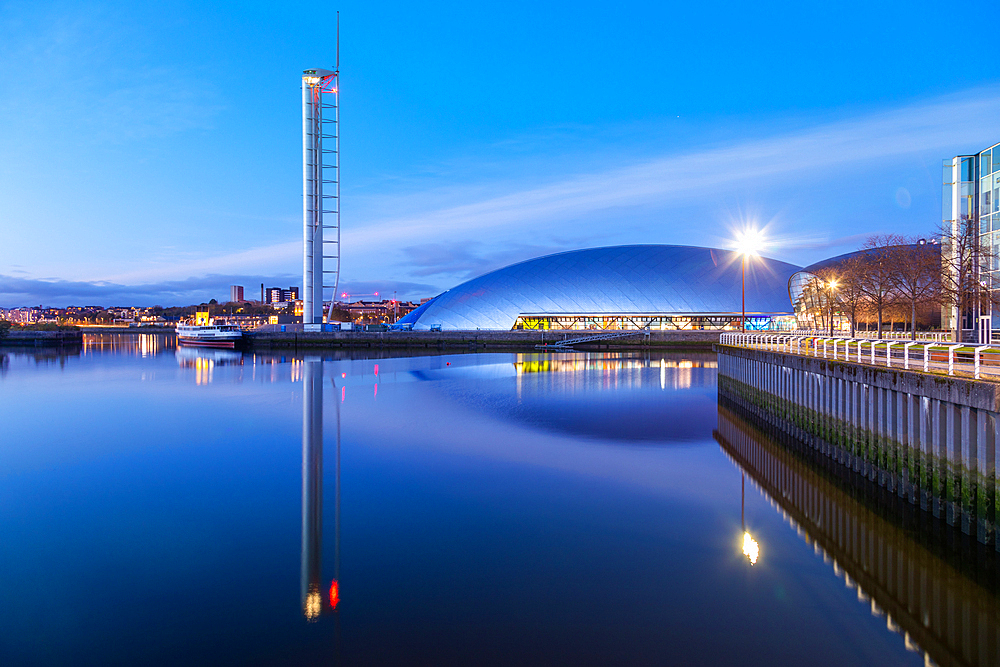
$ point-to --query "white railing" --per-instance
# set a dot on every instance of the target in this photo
(960, 359)
(938, 336)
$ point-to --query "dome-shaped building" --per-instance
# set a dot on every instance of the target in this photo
(618, 287)
(815, 304)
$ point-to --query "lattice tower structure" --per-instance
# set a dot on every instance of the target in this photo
(320, 189)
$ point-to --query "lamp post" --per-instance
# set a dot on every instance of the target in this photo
(748, 245)
(831, 286)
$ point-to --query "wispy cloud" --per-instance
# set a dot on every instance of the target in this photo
(458, 230)
(945, 126)
(244, 262)
(467, 260)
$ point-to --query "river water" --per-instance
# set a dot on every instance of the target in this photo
(162, 506)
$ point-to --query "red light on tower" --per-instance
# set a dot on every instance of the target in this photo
(334, 594)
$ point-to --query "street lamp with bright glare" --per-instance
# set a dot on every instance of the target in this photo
(749, 243)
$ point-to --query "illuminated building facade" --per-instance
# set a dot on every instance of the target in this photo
(656, 287)
(971, 201)
(816, 303)
(279, 295)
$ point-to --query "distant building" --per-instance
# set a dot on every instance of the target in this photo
(279, 295)
(236, 293)
(23, 315)
(377, 312)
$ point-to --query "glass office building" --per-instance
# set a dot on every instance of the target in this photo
(656, 287)
(971, 201)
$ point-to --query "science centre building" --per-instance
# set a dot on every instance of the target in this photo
(657, 287)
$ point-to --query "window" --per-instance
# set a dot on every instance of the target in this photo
(968, 168)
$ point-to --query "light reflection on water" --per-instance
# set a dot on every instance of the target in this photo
(491, 508)
(936, 610)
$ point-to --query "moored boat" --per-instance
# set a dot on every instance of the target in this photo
(211, 335)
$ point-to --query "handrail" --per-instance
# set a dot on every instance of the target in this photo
(967, 359)
(936, 336)
(608, 335)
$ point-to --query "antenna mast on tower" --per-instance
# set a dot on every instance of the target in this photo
(320, 186)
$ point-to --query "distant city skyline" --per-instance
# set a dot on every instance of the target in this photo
(151, 154)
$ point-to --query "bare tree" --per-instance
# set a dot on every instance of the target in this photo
(848, 296)
(878, 279)
(916, 276)
(964, 254)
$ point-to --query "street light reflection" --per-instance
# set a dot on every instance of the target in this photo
(334, 594)
(750, 548)
(313, 604)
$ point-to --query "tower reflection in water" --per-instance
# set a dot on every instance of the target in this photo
(932, 603)
(314, 602)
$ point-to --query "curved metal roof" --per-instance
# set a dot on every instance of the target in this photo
(840, 259)
(797, 282)
(634, 279)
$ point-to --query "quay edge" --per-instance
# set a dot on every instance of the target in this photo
(930, 439)
(41, 338)
(481, 340)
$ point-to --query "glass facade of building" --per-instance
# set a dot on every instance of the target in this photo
(813, 303)
(971, 196)
(659, 287)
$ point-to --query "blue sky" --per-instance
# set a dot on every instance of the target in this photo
(150, 152)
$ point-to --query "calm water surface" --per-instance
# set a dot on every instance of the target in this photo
(164, 506)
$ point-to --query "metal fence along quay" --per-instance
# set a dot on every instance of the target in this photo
(956, 359)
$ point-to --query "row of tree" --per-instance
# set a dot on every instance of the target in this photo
(894, 275)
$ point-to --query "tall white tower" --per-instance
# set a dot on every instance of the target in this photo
(320, 188)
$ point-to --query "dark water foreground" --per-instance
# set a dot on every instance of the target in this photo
(163, 506)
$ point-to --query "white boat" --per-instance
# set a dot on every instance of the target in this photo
(212, 335)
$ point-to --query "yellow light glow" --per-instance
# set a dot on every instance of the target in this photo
(750, 548)
(750, 242)
(311, 80)
(833, 284)
(313, 604)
